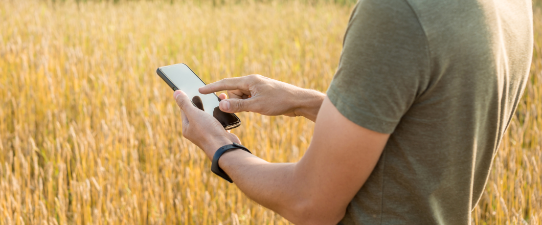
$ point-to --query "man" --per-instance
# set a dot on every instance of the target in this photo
(409, 126)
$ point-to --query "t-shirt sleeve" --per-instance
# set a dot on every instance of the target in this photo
(384, 65)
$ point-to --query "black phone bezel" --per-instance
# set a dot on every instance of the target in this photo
(172, 86)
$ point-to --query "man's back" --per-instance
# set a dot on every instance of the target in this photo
(444, 77)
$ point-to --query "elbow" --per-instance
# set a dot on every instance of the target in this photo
(315, 213)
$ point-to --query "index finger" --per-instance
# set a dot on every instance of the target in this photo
(225, 84)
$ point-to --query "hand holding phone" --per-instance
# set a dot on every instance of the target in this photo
(201, 128)
(181, 77)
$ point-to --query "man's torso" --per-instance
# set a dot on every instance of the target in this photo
(473, 59)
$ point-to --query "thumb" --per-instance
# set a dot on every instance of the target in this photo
(236, 105)
(183, 102)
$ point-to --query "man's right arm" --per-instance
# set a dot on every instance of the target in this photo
(310, 103)
(255, 93)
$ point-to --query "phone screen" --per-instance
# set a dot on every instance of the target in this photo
(183, 78)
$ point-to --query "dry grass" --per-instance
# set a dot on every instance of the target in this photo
(89, 133)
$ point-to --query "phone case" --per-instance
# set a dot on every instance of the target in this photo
(172, 86)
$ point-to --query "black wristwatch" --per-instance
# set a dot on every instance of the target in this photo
(215, 168)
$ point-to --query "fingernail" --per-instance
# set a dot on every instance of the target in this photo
(177, 92)
(225, 105)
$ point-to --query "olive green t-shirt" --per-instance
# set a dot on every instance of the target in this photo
(444, 79)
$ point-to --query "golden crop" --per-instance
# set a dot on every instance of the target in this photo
(90, 134)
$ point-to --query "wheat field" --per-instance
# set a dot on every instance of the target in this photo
(89, 134)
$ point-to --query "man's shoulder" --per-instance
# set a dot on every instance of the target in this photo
(467, 16)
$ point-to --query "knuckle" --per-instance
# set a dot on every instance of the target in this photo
(239, 105)
(253, 77)
(181, 104)
(224, 81)
(260, 77)
(179, 99)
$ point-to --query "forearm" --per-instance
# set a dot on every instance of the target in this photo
(315, 190)
(276, 186)
(309, 104)
(269, 184)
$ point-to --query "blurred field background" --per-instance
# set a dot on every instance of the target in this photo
(89, 134)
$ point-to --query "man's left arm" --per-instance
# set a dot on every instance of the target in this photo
(318, 188)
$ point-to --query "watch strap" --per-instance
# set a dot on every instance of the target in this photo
(214, 166)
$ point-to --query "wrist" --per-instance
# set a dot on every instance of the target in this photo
(214, 145)
(309, 104)
(215, 167)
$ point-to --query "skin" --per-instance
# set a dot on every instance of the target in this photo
(315, 190)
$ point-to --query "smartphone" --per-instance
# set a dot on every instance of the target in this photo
(180, 77)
